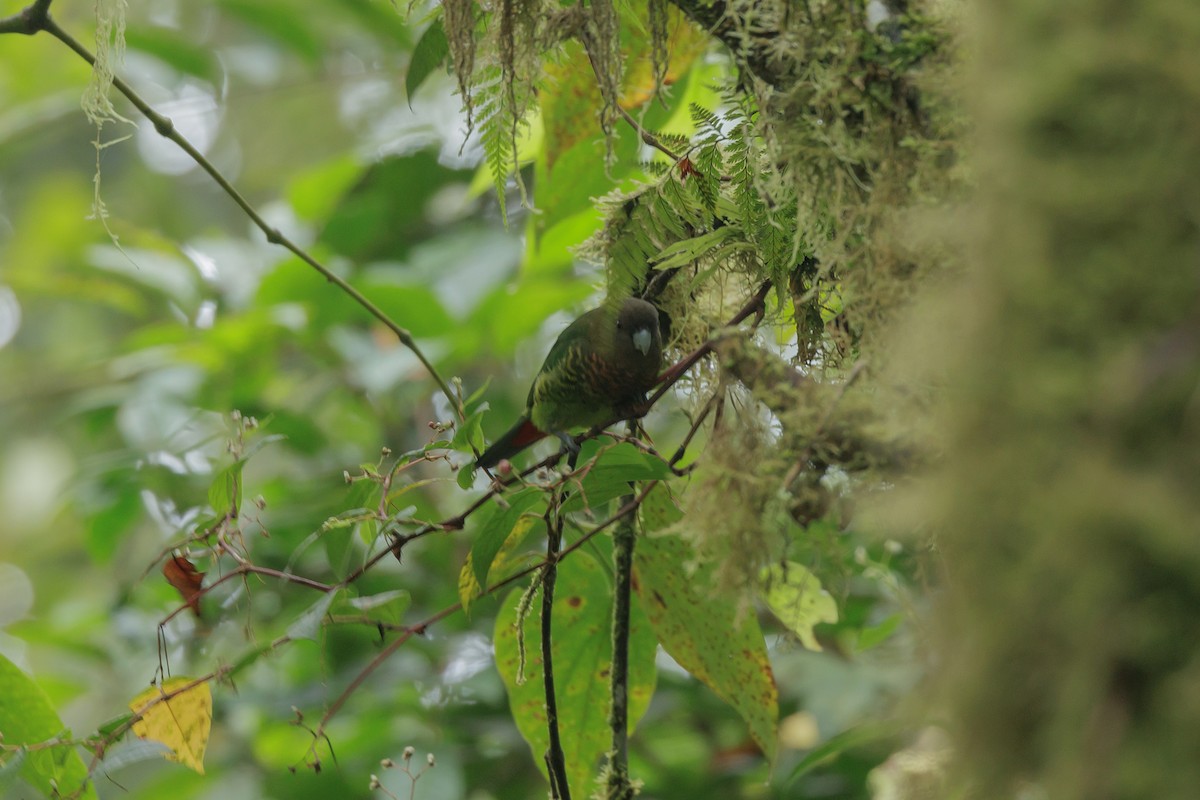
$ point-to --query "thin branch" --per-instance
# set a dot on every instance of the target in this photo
(556, 763)
(716, 399)
(383, 656)
(646, 136)
(753, 306)
(29, 20)
(37, 18)
(246, 568)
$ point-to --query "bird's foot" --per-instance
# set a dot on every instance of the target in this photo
(570, 447)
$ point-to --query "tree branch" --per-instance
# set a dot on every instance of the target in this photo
(618, 785)
(29, 20)
(556, 763)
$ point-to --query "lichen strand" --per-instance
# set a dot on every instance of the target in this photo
(498, 64)
(656, 11)
(110, 53)
(602, 40)
(458, 18)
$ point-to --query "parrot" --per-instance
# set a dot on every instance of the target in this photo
(598, 369)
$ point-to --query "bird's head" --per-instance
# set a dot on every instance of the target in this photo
(637, 325)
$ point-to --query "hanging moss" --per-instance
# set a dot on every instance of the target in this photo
(458, 18)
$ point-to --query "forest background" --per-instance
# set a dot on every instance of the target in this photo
(918, 520)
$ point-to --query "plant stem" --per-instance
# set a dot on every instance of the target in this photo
(555, 761)
(624, 535)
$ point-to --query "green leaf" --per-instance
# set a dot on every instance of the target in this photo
(659, 510)
(796, 597)
(174, 49)
(469, 434)
(469, 587)
(479, 393)
(429, 54)
(859, 736)
(708, 633)
(466, 477)
(225, 493)
(27, 718)
(552, 253)
(610, 476)
(308, 624)
(360, 503)
(582, 659)
(688, 250)
(497, 526)
(878, 634)
(111, 726)
(385, 606)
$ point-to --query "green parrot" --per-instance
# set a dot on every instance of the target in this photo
(599, 368)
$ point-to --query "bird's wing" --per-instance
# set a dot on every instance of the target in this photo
(568, 348)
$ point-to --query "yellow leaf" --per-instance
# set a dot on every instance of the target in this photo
(685, 43)
(796, 597)
(179, 717)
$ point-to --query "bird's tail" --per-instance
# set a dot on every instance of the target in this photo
(517, 438)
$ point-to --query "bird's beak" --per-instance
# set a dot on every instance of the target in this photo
(641, 340)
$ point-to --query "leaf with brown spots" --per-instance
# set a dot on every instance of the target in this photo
(708, 633)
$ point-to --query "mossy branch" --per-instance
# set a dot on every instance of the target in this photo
(618, 786)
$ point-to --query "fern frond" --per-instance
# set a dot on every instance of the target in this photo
(709, 165)
(495, 127)
(704, 119)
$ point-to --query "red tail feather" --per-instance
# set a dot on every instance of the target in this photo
(518, 437)
(526, 435)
